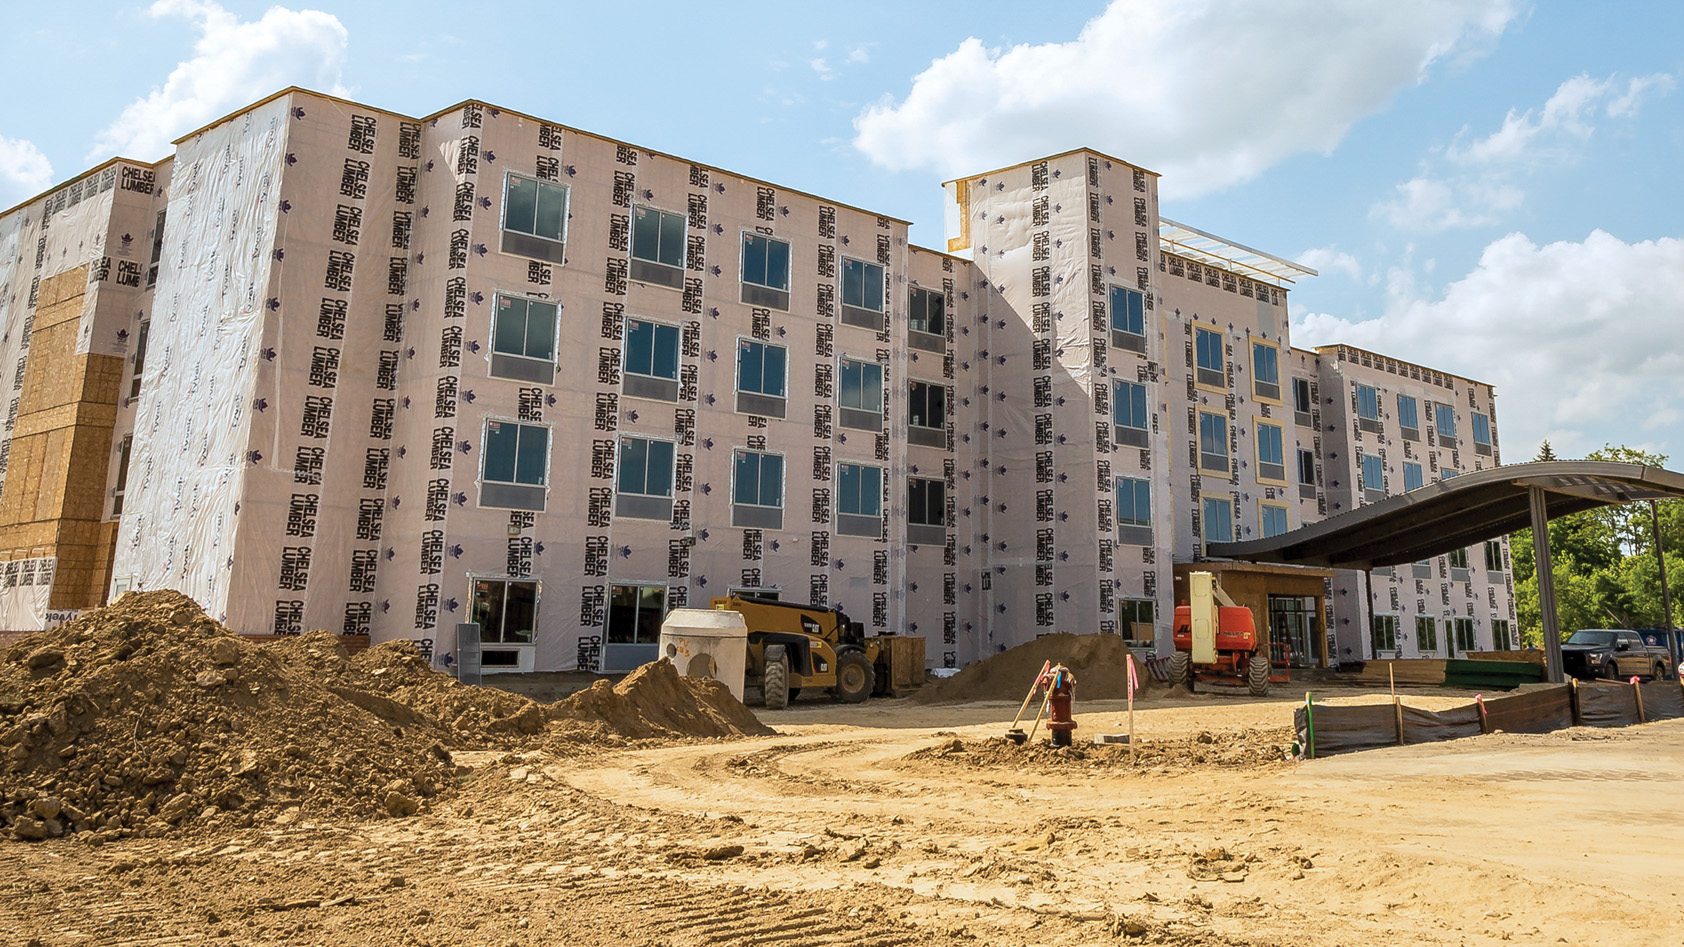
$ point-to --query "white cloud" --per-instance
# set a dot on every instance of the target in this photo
(234, 62)
(1425, 203)
(1329, 260)
(1566, 119)
(861, 54)
(24, 170)
(822, 68)
(1576, 337)
(1209, 92)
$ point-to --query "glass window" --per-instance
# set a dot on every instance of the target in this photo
(1501, 640)
(862, 285)
(1274, 520)
(139, 357)
(928, 312)
(123, 452)
(1458, 558)
(1426, 634)
(1481, 429)
(157, 250)
(1462, 630)
(635, 613)
(1444, 418)
(862, 386)
(1408, 412)
(1128, 311)
(1307, 467)
(1385, 632)
(1493, 557)
(765, 261)
(1301, 395)
(1218, 525)
(516, 453)
(1134, 502)
(760, 368)
(1271, 447)
(657, 236)
(859, 490)
(1373, 472)
(1265, 363)
(1213, 442)
(1446, 474)
(651, 349)
(927, 405)
(1412, 476)
(534, 207)
(1207, 347)
(758, 479)
(506, 612)
(1128, 405)
(1368, 403)
(646, 466)
(926, 502)
(524, 327)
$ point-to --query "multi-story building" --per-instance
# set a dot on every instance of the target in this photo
(337, 367)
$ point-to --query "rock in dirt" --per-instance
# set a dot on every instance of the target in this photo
(1099, 663)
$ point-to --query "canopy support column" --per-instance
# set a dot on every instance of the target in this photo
(1546, 584)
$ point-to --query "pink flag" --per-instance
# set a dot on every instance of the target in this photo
(1134, 682)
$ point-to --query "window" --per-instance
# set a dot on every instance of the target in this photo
(1134, 510)
(1501, 639)
(926, 414)
(1412, 476)
(657, 247)
(1373, 477)
(926, 511)
(761, 369)
(1218, 523)
(1274, 520)
(1462, 633)
(1384, 633)
(927, 320)
(1446, 474)
(1444, 418)
(157, 251)
(1213, 443)
(1306, 473)
(516, 465)
(1265, 371)
(1494, 557)
(123, 451)
(534, 218)
(757, 490)
(139, 357)
(645, 479)
(651, 360)
(861, 396)
(1271, 452)
(859, 500)
(523, 339)
(1368, 409)
(1212, 366)
(1128, 414)
(1458, 565)
(1482, 433)
(506, 612)
(862, 294)
(1302, 404)
(1135, 618)
(1426, 634)
(1128, 319)
(635, 613)
(1409, 417)
(765, 271)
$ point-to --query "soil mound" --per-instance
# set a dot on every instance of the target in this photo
(1249, 749)
(148, 715)
(654, 701)
(1099, 663)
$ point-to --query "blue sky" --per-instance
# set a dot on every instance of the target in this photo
(1490, 187)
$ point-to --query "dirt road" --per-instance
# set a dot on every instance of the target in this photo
(891, 823)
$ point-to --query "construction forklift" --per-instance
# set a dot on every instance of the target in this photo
(793, 647)
(1216, 640)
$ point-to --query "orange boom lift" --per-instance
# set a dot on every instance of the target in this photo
(1216, 640)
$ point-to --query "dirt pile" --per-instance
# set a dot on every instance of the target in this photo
(1099, 663)
(1252, 749)
(655, 702)
(147, 716)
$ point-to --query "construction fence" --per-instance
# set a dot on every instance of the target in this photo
(1324, 730)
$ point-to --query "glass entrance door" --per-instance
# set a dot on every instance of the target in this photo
(1292, 629)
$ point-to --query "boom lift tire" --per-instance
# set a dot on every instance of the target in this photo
(1181, 670)
(1257, 676)
(774, 681)
(855, 677)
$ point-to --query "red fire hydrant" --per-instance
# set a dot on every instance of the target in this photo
(1060, 695)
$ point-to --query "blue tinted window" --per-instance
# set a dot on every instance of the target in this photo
(651, 349)
(1412, 476)
(859, 490)
(1445, 417)
(1128, 310)
(1274, 521)
(1265, 363)
(759, 479)
(862, 385)
(1481, 429)
(1128, 405)
(1373, 472)
(1218, 525)
(1269, 449)
(765, 261)
(1208, 348)
(1368, 403)
(1408, 412)
(516, 453)
(760, 368)
(1134, 502)
(646, 466)
(862, 285)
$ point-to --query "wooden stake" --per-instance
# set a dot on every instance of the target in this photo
(1577, 718)
(1637, 692)
(1131, 707)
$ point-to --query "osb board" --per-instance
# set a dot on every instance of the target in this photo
(1404, 671)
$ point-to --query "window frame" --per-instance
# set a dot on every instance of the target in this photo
(1199, 367)
(658, 272)
(1419, 478)
(519, 366)
(1260, 387)
(1301, 415)
(1306, 455)
(1375, 639)
(756, 293)
(125, 453)
(1369, 486)
(1480, 425)
(926, 435)
(1426, 634)
(759, 514)
(1226, 503)
(1441, 411)
(636, 639)
(1138, 435)
(559, 254)
(1123, 335)
(636, 384)
(141, 336)
(515, 494)
(642, 505)
(882, 284)
(1263, 464)
(855, 523)
(762, 402)
(923, 531)
(1411, 431)
(1494, 557)
(854, 417)
(1372, 394)
(1264, 507)
(1135, 485)
(924, 339)
(501, 639)
(1227, 458)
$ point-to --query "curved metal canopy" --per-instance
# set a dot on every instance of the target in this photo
(1455, 513)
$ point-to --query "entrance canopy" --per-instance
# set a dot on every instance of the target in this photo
(1456, 513)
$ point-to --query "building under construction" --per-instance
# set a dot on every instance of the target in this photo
(329, 366)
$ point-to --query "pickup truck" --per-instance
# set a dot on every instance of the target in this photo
(1615, 654)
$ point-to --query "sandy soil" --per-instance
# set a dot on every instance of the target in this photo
(893, 823)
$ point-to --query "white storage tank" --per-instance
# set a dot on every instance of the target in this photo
(704, 642)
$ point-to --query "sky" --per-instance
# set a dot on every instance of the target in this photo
(1487, 187)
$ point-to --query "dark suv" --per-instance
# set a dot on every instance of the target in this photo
(1615, 654)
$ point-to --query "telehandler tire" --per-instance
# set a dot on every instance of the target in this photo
(855, 678)
(1257, 675)
(774, 681)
